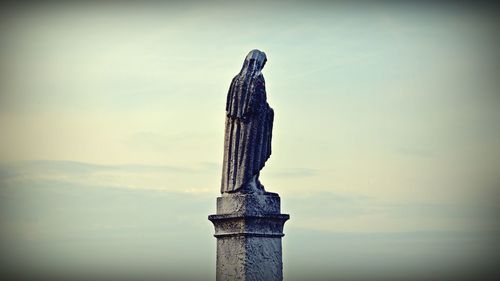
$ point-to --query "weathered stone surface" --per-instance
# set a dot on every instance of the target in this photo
(250, 204)
(263, 259)
(249, 230)
(249, 259)
(231, 255)
(263, 225)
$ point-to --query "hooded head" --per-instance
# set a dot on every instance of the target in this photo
(254, 63)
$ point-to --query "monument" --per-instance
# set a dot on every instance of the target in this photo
(248, 223)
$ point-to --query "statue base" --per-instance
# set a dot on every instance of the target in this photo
(248, 228)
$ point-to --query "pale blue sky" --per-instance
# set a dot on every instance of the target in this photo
(385, 147)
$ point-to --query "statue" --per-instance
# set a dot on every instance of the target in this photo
(248, 223)
(248, 132)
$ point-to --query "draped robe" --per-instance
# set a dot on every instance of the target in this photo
(248, 131)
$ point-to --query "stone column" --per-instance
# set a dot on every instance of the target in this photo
(248, 228)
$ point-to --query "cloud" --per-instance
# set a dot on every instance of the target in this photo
(82, 167)
(350, 212)
(61, 227)
(136, 176)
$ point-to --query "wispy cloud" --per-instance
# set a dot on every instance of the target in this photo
(349, 212)
(82, 167)
(137, 176)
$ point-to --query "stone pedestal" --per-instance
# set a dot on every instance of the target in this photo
(248, 229)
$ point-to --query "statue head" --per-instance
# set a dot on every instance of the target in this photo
(254, 63)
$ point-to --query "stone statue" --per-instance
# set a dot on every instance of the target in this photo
(248, 223)
(249, 124)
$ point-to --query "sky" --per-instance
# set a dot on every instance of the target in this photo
(385, 144)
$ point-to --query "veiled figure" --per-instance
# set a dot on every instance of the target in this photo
(248, 132)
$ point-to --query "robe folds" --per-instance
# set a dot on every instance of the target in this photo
(248, 131)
